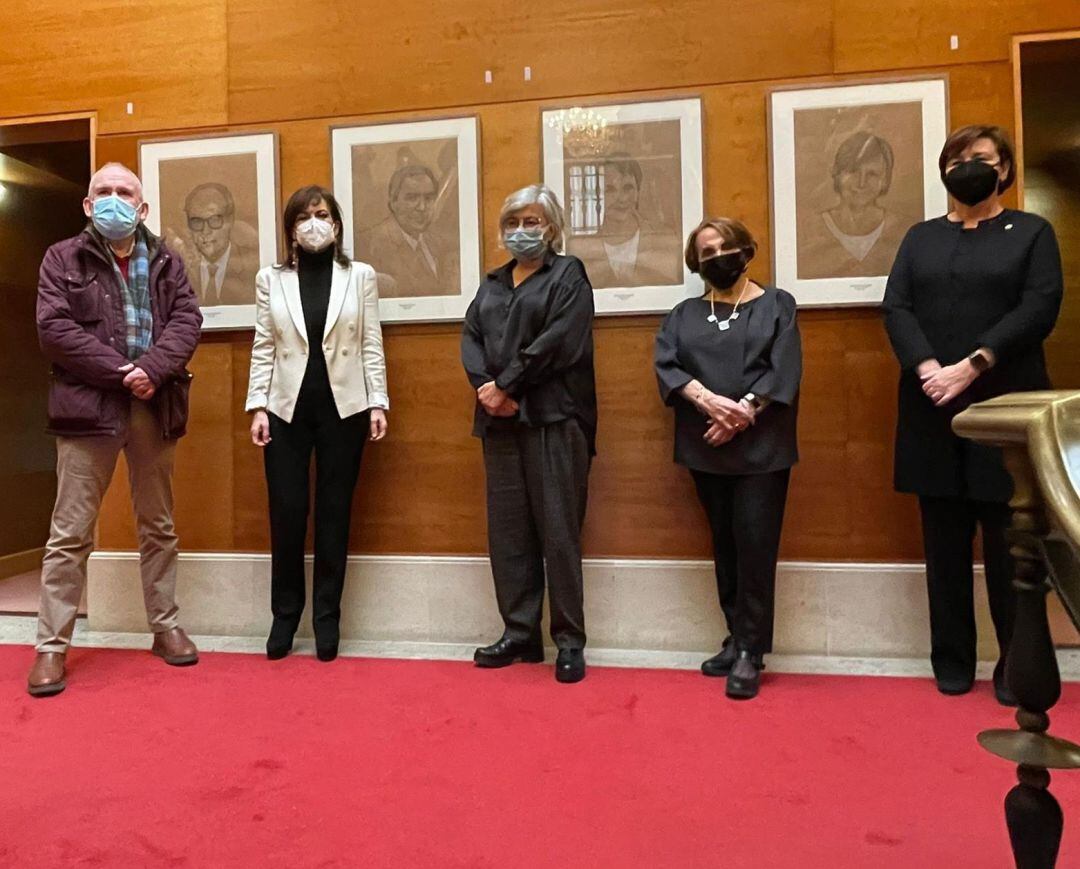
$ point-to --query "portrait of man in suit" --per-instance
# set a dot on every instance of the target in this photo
(210, 218)
(221, 262)
(414, 249)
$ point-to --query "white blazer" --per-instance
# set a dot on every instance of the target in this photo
(352, 342)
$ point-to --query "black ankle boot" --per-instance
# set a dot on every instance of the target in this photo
(1001, 689)
(505, 652)
(720, 665)
(326, 652)
(744, 680)
(280, 641)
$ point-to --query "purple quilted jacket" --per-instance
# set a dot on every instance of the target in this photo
(82, 332)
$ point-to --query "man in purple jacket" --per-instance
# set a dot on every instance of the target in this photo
(118, 320)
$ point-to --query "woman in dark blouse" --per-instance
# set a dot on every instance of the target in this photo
(527, 350)
(969, 301)
(730, 364)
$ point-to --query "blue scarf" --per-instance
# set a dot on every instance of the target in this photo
(136, 286)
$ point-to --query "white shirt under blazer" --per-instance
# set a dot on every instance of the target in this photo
(352, 342)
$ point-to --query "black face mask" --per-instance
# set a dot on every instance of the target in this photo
(971, 182)
(722, 271)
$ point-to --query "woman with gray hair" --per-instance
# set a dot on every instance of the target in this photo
(528, 352)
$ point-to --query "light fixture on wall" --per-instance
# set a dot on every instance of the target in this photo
(585, 132)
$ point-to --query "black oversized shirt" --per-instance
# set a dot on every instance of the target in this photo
(760, 352)
(535, 341)
(951, 291)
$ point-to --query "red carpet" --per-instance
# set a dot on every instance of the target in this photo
(240, 762)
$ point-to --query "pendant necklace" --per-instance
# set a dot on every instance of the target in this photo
(724, 325)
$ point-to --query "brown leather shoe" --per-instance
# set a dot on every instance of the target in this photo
(47, 675)
(175, 648)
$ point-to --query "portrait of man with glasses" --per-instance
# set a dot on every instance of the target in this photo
(221, 262)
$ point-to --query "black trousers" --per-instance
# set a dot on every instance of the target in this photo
(537, 489)
(948, 526)
(338, 445)
(746, 513)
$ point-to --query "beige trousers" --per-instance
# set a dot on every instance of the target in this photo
(84, 468)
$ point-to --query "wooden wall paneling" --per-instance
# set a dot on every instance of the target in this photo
(118, 149)
(422, 490)
(401, 56)
(640, 503)
(64, 57)
(205, 457)
(916, 33)
(250, 517)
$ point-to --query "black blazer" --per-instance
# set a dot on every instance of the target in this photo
(951, 291)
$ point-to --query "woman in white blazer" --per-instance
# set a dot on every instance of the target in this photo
(317, 385)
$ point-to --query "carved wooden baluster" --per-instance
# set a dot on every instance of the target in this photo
(1033, 815)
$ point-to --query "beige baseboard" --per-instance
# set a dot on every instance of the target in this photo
(843, 610)
(20, 562)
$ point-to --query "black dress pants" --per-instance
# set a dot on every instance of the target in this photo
(537, 489)
(338, 445)
(948, 526)
(746, 513)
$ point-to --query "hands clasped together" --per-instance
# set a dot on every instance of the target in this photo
(138, 381)
(726, 417)
(942, 384)
(495, 401)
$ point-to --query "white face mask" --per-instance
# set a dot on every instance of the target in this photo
(314, 234)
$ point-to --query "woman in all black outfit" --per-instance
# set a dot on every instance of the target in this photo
(317, 386)
(527, 350)
(971, 298)
(730, 364)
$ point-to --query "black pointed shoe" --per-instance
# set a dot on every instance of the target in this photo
(505, 652)
(720, 665)
(570, 665)
(744, 680)
(1001, 688)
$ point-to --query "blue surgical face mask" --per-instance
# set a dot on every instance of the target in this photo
(526, 244)
(114, 218)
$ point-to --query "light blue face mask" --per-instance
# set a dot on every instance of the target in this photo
(526, 244)
(114, 218)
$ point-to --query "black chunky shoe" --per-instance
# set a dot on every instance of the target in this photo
(280, 641)
(720, 665)
(1001, 690)
(744, 680)
(570, 665)
(505, 652)
(954, 685)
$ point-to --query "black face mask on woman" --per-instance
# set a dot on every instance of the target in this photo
(722, 271)
(971, 182)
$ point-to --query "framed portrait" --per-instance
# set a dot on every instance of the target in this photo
(851, 168)
(410, 200)
(214, 200)
(629, 177)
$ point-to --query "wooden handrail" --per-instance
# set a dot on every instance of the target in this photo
(1039, 434)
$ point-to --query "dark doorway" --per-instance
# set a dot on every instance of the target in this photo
(45, 167)
(1049, 127)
